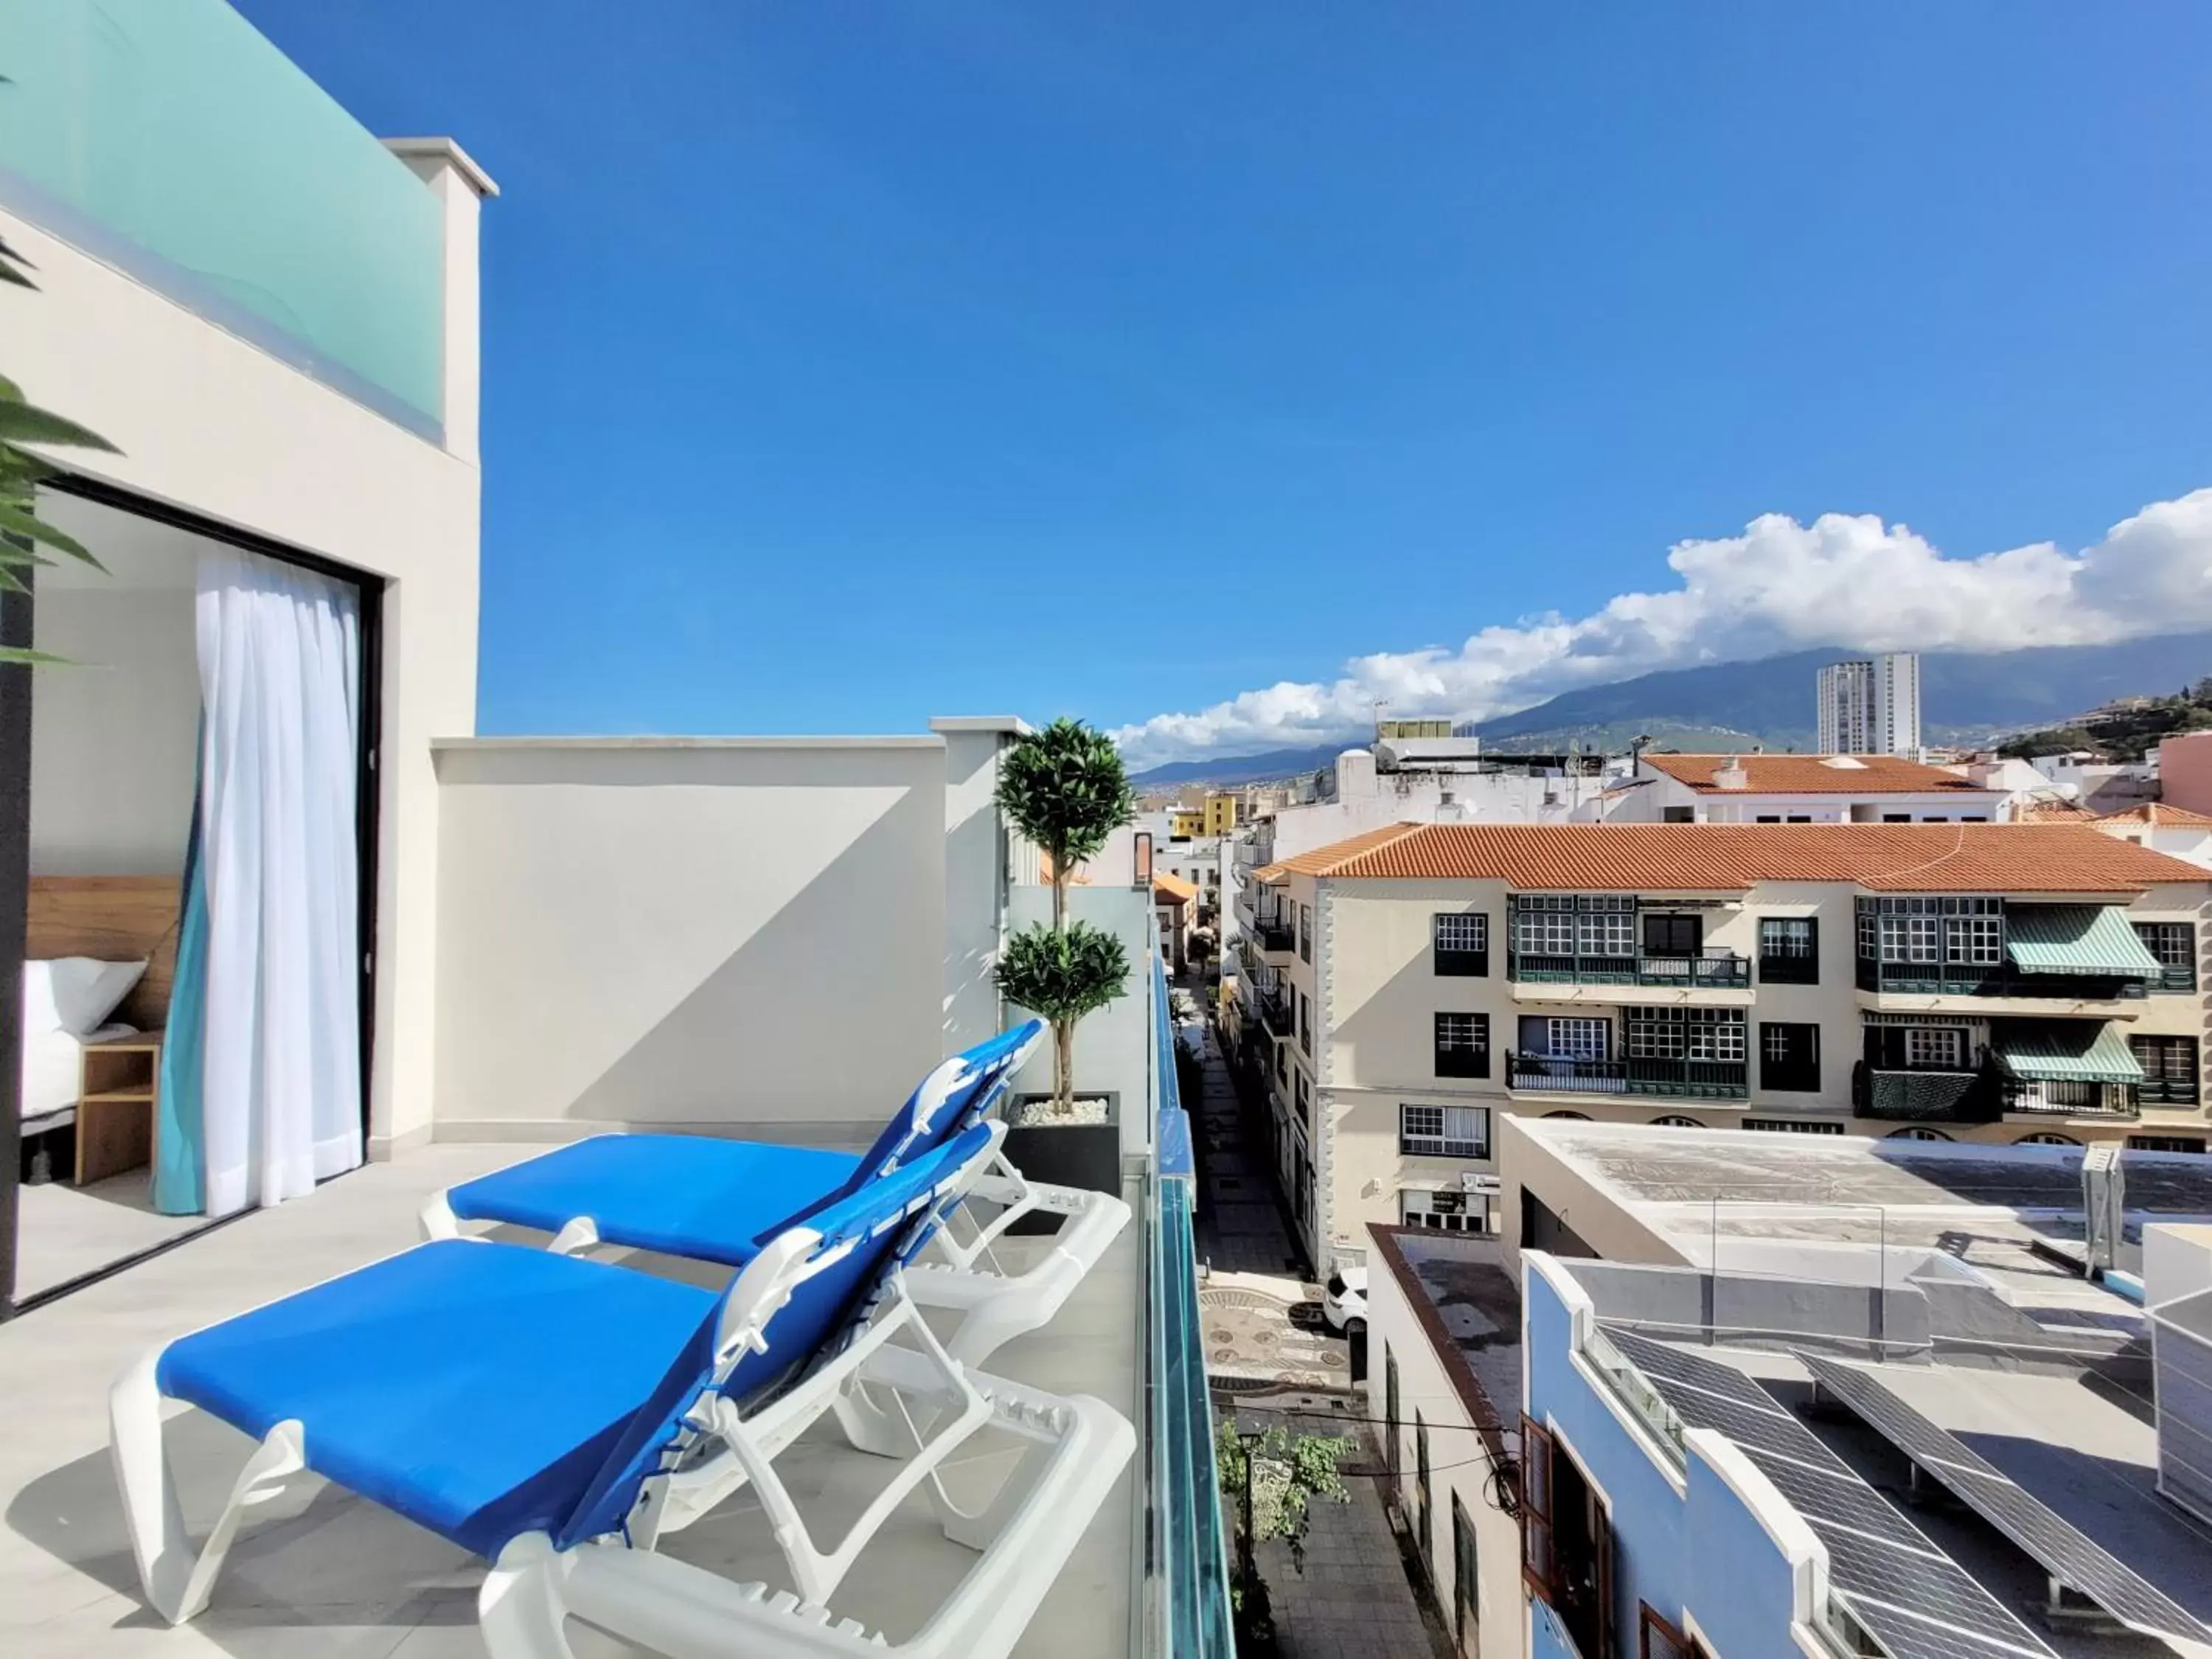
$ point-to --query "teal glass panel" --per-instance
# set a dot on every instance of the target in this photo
(169, 138)
(1188, 1570)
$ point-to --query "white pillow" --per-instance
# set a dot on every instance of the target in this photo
(40, 1013)
(85, 992)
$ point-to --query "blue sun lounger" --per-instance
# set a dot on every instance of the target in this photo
(712, 1200)
(558, 1415)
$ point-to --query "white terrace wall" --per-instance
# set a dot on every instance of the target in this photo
(1114, 1048)
(204, 421)
(743, 936)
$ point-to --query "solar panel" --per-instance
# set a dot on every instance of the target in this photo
(1933, 1585)
(1896, 1583)
(1911, 1638)
(1749, 1427)
(1832, 1499)
(1657, 1359)
(2062, 1549)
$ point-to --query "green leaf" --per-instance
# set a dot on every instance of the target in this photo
(15, 521)
(16, 653)
(1063, 975)
(1065, 788)
(27, 423)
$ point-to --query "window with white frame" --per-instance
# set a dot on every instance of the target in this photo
(1544, 932)
(1607, 932)
(1978, 940)
(1937, 1047)
(1714, 1034)
(1467, 931)
(1462, 1045)
(1443, 1131)
(1576, 1038)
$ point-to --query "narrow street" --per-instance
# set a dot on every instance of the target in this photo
(1272, 1359)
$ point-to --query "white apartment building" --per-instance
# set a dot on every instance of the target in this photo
(1871, 706)
(1972, 982)
(1831, 788)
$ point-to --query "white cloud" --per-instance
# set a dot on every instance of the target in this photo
(1780, 586)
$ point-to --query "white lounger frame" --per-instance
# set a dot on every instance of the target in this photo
(919, 1403)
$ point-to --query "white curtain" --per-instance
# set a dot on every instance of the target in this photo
(279, 657)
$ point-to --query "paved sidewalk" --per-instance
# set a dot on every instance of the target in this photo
(1272, 1359)
(1240, 1230)
(1354, 1599)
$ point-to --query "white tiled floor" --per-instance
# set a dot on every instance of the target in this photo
(320, 1572)
(64, 1231)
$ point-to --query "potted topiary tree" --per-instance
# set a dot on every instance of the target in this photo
(1065, 789)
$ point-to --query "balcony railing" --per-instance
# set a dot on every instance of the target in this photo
(1275, 1015)
(1186, 1553)
(2068, 1099)
(1924, 1097)
(1708, 1079)
(1714, 970)
(167, 138)
(1960, 979)
(1275, 936)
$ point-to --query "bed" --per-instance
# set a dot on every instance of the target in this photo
(107, 919)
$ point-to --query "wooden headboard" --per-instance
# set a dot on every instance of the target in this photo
(114, 919)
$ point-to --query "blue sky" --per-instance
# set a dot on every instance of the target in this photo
(846, 364)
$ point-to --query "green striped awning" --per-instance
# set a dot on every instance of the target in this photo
(2063, 1051)
(2075, 938)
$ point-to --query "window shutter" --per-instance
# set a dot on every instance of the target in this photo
(1601, 1547)
(1536, 1563)
(1659, 1639)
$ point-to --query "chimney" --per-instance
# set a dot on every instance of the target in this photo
(1731, 774)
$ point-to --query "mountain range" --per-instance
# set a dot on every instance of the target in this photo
(1964, 699)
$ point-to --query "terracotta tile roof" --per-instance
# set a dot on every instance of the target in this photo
(1813, 774)
(1694, 857)
(2054, 812)
(2158, 813)
(1347, 848)
(1173, 886)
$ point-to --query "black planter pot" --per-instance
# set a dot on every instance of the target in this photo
(1087, 1156)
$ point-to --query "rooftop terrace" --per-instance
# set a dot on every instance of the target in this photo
(321, 1565)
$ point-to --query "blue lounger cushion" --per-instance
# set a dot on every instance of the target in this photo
(509, 1374)
(687, 1195)
(712, 1200)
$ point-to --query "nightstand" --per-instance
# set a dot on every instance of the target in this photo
(119, 1087)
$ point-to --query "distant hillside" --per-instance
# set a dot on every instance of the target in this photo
(1242, 768)
(1963, 698)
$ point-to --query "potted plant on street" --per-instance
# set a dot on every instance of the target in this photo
(1064, 788)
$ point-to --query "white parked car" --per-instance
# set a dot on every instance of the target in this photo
(1345, 1306)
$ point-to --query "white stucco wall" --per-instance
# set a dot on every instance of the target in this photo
(206, 422)
(114, 734)
(1113, 1047)
(743, 935)
(1459, 1462)
(977, 873)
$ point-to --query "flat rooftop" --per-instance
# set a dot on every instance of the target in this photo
(2083, 1447)
(319, 1569)
(1476, 1300)
(1741, 1199)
